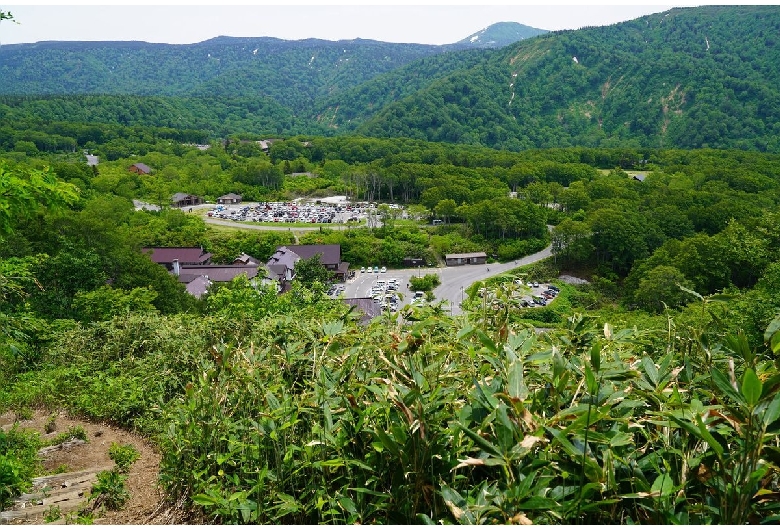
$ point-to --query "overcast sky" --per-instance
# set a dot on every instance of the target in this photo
(391, 22)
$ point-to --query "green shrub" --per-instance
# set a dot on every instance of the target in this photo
(52, 513)
(76, 432)
(109, 490)
(51, 424)
(123, 455)
(23, 414)
(18, 462)
(426, 283)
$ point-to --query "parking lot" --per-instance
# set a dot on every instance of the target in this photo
(364, 284)
(530, 294)
(370, 284)
(293, 212)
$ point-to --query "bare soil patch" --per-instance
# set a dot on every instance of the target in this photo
(145, 505)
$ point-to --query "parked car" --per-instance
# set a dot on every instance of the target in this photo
(383, 270)
(376, 270)
(362, 269)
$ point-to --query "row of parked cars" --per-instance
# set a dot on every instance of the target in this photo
(536, 298)
(542, 299)
(385, 293)
(374, 269)
(290, 212)
(336, 289)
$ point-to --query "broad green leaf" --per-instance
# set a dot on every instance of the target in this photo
(663, 485)
(699, 431)
(751, 387)
(620, 439)
(486, 398)
(650, 370)
(590, 380)
(693, 293)
(772, 331)
(465, 331)
(771, 411)
(388, 443)
(538, 503)
(348, 505)
(205, 500)
(724, 385)
(720, 297)
(775, 343)
(516, 387)
(331, 329)
(457, 505)
(486, 341)
(595, 356)
(481, 442)
(707, 437)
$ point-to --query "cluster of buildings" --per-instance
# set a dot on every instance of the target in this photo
(192, 266)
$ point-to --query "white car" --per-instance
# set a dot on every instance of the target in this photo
(383, 270)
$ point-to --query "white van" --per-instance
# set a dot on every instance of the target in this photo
(437, 222)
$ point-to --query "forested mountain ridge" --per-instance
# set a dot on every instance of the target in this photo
(692, 77)
(216, 67)
(222, 66)
(686, 78)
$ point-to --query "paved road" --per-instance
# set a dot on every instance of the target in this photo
(454, 280)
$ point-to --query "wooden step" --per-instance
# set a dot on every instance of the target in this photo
(65, 490)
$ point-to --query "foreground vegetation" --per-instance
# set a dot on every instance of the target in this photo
(305, 417)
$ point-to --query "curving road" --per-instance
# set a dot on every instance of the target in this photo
(454, 280)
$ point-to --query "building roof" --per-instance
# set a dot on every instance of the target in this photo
(181, 197)
(368, 306)
(183, 254)
(230, 196)
(283, 257)
(198, 286)
(276, 272)
(246, 259)
(142, 167)
(331, 254)
(92, 160)
(220, 273)
(466, 255)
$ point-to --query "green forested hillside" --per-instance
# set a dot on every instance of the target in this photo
(692, 77)
(291, 72)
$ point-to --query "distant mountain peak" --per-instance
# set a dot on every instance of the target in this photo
(499, 35)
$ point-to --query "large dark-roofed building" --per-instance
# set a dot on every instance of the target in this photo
(183, 255)
(180, 200)
(219, 273)
(330, 255)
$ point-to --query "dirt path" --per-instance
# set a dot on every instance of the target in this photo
(145, 496)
